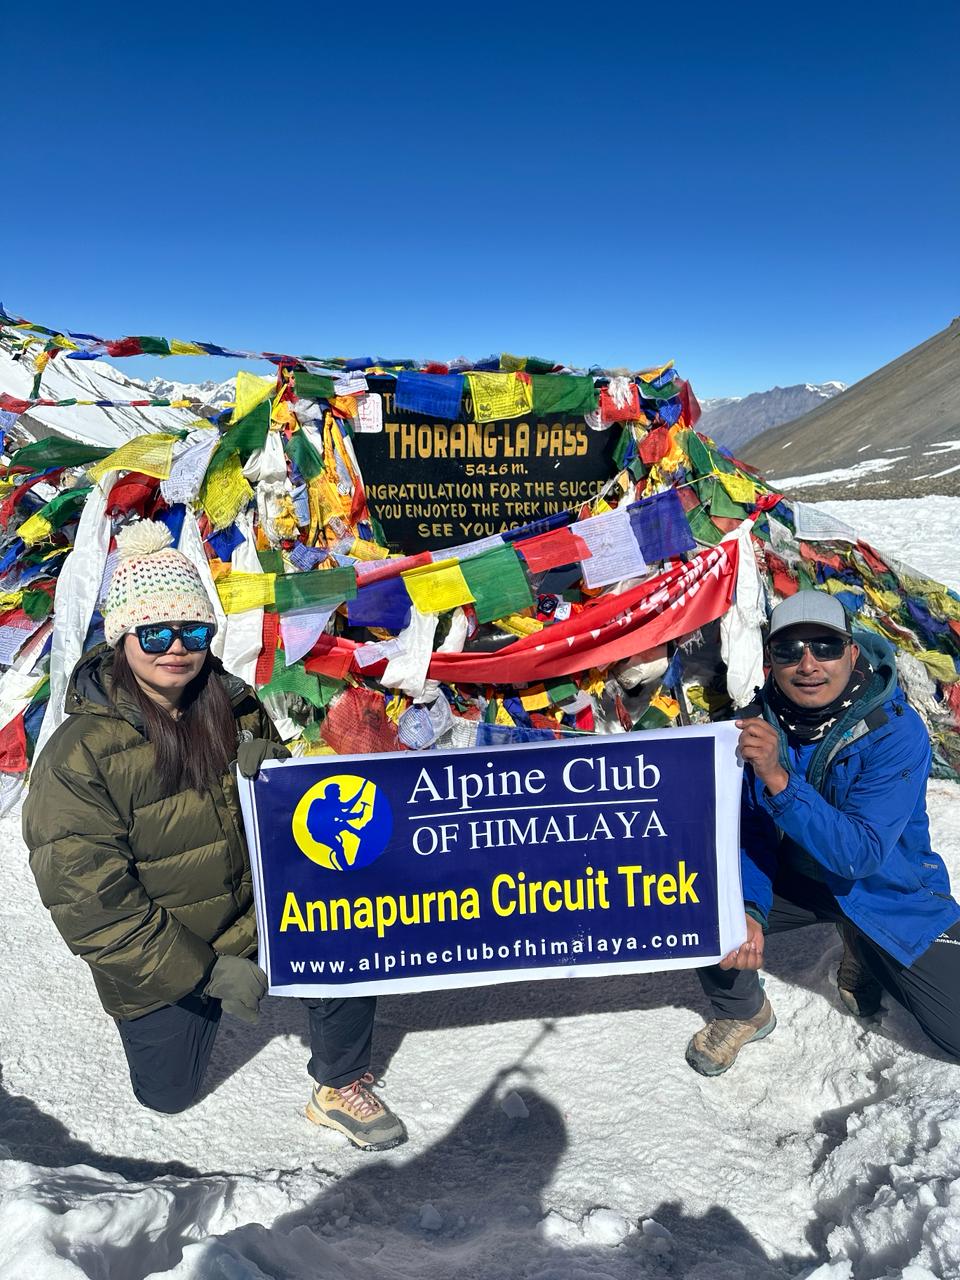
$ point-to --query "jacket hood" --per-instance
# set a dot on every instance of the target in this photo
(91, 684)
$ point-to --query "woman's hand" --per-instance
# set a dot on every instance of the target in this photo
(239, 985)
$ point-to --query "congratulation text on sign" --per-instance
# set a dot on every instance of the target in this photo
(416, 870)
(432, 483)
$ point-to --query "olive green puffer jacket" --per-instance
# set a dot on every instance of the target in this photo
(147, 886)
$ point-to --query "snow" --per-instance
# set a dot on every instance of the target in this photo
(65, 379)
(868, 467)
(555, 1130)
(922, 532)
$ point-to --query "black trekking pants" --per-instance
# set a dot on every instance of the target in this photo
(929, 988)
(168, 1050)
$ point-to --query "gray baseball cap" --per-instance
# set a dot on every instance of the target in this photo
(809, 607)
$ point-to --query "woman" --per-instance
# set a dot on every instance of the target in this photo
(136, 842)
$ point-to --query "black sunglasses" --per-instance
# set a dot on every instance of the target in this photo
(158, 637)
(787, 653)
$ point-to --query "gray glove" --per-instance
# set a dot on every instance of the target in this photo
(239, 985)
(252, 753)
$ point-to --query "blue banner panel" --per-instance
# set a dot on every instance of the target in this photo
(417, 870)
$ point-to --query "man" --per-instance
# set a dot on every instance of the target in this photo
(834, 827)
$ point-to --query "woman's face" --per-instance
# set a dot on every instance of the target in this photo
(163, 676)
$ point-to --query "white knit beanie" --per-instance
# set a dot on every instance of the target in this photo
(152, 583)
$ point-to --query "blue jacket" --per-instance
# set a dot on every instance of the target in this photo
(861, 814)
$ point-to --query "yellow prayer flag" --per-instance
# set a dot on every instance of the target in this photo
(10, 600)
(503, 716)
(361, 550)
(518, 625)
(649, 375)
(225, 490)
(251, 391)
(939, 665)
(536, 699)
(499, 395)
(178, 348)
(887, 601)
(738, 487)
(35, 528)
(152, 454)
(436, 587)
(396, 707)
(512, 364)
(64, 343)
(240, 591)
(669, 707)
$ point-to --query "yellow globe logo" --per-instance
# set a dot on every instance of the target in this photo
(343, 822)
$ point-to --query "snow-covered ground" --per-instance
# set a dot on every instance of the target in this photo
(921, 532)
(555, 1130)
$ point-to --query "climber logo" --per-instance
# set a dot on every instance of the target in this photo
(343, 822)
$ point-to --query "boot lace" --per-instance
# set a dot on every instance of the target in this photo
(722, 1032)
(359, 1100)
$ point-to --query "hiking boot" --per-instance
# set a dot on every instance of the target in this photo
(714, 1048)
(358, 1114)
(858, 989)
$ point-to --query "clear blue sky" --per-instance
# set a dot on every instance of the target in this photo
(764, 193)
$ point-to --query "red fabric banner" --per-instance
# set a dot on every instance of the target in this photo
(679, 600)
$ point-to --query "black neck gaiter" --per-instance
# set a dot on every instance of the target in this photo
(809, 724)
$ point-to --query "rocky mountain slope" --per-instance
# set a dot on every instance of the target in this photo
(894, 434)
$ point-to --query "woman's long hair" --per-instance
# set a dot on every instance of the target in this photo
(195, 750)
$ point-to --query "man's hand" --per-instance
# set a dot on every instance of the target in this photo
(760, 747)
(750, 954)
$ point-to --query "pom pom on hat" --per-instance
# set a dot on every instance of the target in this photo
(152, 583)
(143, 539)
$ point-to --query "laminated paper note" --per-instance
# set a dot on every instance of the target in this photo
(499, 395)
(370, 413)
(614, 551)
(436, 587)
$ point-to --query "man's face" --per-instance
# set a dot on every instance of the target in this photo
(812, 682)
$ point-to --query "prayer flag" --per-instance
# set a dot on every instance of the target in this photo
(432, 395)
(660, 526)
(498, 583)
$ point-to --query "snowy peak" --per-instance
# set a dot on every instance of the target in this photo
(733, 420)
(211, 394)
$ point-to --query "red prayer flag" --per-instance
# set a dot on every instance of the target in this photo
(548, 550)
(268, 652)
(125, 347)
(654, 445)
(13, 746)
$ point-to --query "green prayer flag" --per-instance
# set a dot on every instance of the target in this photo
(563, 393)
(497, 582)
(313, 386)
(536, 365)
(302, 453)
(561, 691)
(294, 679)
(36, 604)
(250, 432)
(623, 444)
(154, 346)
(649, 392)
(59, 509)
(53, 452)
(702, 527)
(314, 589)
(271, 561)
(720, 502)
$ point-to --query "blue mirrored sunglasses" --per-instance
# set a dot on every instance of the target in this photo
(158, 637)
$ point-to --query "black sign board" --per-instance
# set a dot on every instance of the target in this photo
(438, 484)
